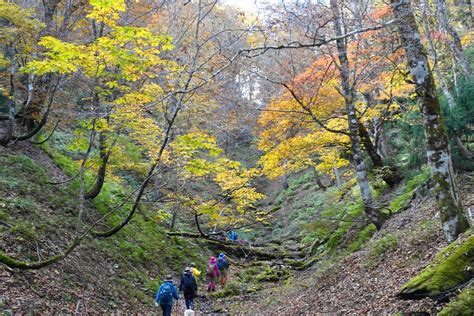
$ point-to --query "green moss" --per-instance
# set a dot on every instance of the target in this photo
(453, 266)
(401, 201)
(362, 237)
(232, 288)
(270, 274)
(463, 305)
(387, 243)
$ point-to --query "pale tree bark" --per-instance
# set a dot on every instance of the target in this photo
(434, 57)
(337, 174)
(441, 78)
(371, 211)
(455, 42)
(453, 219)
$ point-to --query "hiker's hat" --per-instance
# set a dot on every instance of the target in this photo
(168, 277)
(221, 255)
(192, 264)
(213, 259)
(187, 269)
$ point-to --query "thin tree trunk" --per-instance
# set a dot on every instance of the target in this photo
(174, 218)
(381, 140)
(318, 180)
(285, 182)
(369, 146)
(439, 157)
(49, 7)
(101, 172)
(444, 87)
(434, 57)
(337, 174)
(371, 211)
(463, 150)
(39, 126)
(389, 173)
(11, 100)
(455, 42)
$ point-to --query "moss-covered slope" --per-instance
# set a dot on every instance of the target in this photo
(463, 305)
(452, 267)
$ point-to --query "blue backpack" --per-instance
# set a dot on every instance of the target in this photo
(222, 264)
(166, 294)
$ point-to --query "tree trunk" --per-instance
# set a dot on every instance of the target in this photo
(439, 157)
(389, 173)
(371, 211)
(434, 57)
(104, 158)
(369, 146)
(174, 218)
(444, 86)
(6, 138)
(455, 42)
(318, 180)
(285, 182)
(381, 142)
(337, 174)
(463, 150)
(49, 7)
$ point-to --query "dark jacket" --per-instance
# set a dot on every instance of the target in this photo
(188, 284)
(166, 301)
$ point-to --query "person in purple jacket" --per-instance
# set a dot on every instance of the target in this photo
(212, 273)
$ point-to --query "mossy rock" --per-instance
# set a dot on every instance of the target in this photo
(452, 267)
(270, 274)
(232, 288)
(463, 305)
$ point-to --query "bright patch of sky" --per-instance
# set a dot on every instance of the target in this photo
(250, 5)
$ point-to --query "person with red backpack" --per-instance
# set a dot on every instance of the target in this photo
(223, 266)
(189, 287)
(212, 273)
(164, 296)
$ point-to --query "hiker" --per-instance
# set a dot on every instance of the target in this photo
(223, 266)
(212, 273)
(195, 271)
(165, 295)
(232, 236)
(189, 287)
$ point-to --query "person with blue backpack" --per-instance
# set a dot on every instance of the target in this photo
(165, 295)
(223, 266)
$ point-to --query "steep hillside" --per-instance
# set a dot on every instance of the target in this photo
(345, 279)
(38, 220)
(324, 255)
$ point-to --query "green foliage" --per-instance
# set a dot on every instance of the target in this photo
(385, 244)
(462, 305)
(232, 288)
(450, 268)
(408, 139)
(271, 274)
(458, 119)
(405, 193)
(37, 209)
(362, 237)
(251, 279)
